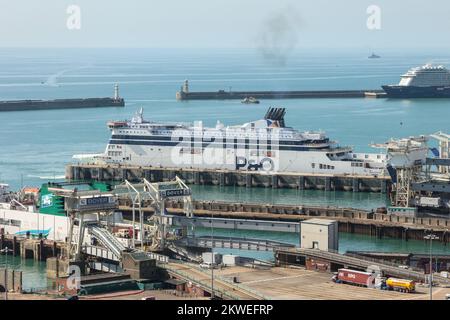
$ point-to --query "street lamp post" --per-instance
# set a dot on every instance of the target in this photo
(431, 237)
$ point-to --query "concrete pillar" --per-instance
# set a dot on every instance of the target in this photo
(383, 186)
(274, 181)
(301, 183)
(196, 177)
(14, 246)
(41, 250)
(248, 180)
(124, 174)
(355, 185)
(231, 181)
(100, 174)
(147, 175)
(54, 249)
(222, 178)
(36, 251)
(327, 183)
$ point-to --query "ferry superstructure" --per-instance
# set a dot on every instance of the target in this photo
(427, 81)
(264, 145)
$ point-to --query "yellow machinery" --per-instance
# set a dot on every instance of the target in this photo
(401, 284)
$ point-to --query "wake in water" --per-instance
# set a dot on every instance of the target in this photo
(52, 80)
(54, 177)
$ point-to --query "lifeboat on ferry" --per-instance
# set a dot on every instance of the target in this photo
(116, 124)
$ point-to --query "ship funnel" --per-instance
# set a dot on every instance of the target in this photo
(276, 114)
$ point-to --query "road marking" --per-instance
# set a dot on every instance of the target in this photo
(272, 279)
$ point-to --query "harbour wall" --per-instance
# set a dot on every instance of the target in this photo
(249, 179)
(227, 95)
(22, 105)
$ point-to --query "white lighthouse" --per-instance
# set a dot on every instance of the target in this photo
(185, 87)
(116, 92)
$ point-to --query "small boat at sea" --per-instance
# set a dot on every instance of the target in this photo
(374, 56)
(249, 100)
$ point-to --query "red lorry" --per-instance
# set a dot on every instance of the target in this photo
(355, 277)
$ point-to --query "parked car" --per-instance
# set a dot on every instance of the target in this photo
(207, 265)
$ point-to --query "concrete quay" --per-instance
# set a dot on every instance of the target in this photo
(350, 220)
(29, 248)
(292, 180)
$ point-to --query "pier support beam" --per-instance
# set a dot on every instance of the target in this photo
(301, 183)
(383, 186)
(274, 181)
(100, 174)
(248, 180)
(15, 246)
(124, 174)
(327, 183)
(355, 184)
(196, 177)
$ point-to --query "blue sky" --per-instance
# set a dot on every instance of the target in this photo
(225, 23)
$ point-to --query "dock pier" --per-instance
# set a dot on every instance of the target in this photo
(357, 221)
(290, 180)
(29, 248)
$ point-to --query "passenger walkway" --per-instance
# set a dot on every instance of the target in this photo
(233, 243)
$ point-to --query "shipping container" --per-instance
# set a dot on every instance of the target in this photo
(430, 202)
(230, 259)
(208, 257)
(356, 277)
(317, 265)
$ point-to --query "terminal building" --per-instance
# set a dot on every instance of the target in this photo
(322, 234)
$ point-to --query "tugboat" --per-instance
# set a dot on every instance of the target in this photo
(374, 56)
(249, 100)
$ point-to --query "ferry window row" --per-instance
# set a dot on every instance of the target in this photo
(357, 164)
(322, 166)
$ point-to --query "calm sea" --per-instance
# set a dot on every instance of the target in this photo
(36, 145)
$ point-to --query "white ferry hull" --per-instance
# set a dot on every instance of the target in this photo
(308, 162)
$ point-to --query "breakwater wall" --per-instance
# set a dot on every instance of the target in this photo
(228, 95)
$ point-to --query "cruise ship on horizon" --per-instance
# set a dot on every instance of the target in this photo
(427, 81)
(265, 145)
